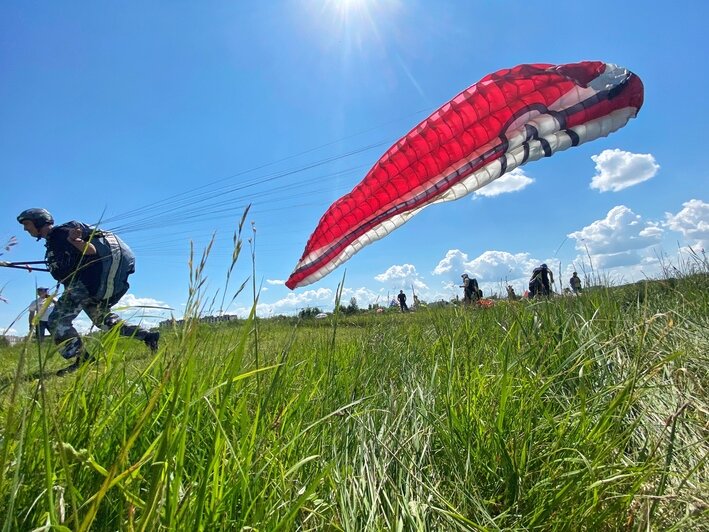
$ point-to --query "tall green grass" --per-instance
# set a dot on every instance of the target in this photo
(580, 413)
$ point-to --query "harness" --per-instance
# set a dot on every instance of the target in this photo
(105, 273)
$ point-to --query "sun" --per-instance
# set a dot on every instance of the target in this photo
(357, 21)
(349, 12)
(347, 5)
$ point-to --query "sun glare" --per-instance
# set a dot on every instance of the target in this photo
(358, 14)
(348, 5)
(362, 31)
(355, 23)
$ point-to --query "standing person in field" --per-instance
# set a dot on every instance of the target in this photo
(40, 309)
(94, 267)
(471, 292)
(535, 284)
(541, 281)
(402, 301)
(575, 283)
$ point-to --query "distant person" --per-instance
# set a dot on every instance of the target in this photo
(575, 283)
(94, 267)
(541, 281)
(511, 293)
(402, 301)
(535, 284)
(471, 291)
(40, 309)
(417, 301)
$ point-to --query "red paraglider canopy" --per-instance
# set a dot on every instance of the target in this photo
(507, 119)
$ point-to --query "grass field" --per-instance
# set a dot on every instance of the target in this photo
(580, 413)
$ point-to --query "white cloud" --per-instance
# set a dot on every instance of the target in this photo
(132, 309)
(455, 260)
(653, 230)
(130, 300)
(617, 169)
(83, 324)
(292, 302)
(512, 182)
(305, 297)
(363, 295)
(403, 275)
(621, 230)
(614, 269)
(496, 265)
(616, 260)
(621, 241)
(692, 222)
(396, 272)
(10, 332)
(490, 266)
(275, 281)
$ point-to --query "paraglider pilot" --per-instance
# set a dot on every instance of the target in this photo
(541, 281)
(470, 289)
(575, 283)
(94, 267)
(402, 301)
(41, 309)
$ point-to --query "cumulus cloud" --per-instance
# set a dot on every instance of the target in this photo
(130, 300)
(396, 272)
(617, 169)
(323, 298)
(617, 268)
(692, 222)
(489, 266)
(455, 260)
(495, 265)
(621, 230)
(306, 297)
(621, 239)
(146, 311)
(402, 275)
(512, 182)
(617, 260)
(364, 296)
(275, 281)
(292, 302)
(83, 325)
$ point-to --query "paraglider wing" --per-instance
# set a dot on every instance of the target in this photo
(505, 120)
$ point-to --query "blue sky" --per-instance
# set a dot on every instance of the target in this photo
(181, 113)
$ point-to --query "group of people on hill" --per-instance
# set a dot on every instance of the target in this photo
(540, 284)
(93, 266)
